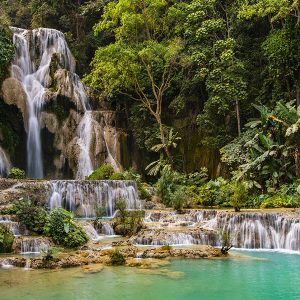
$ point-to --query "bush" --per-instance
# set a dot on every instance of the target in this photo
(102, 173)
(117, 258)
(16, 173)
(127, 223)
(117, 176)
(214, 193)
(239, 195)
(180, 198)
(63, 229)
(34, 217)
(279, 201)
(6, 239)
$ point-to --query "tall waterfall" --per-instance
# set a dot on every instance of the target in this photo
(85, 197)
(4, 163)
(31, 66)
(249, 230)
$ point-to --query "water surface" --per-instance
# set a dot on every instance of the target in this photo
(260, 276)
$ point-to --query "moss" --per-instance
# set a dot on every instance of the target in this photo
(6, 239)
(117, 176)
(16, 173)
(104, 172)
(53, 67)
(117, 258)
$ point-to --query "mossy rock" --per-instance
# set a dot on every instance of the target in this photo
(6, 239)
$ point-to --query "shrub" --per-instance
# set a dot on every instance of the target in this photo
(117, 176)
(117, 258)
(165, 248)
(34, 217)
(279, 201)
(6, 239)
(16, 173)
(180, 198)
(104, 172)
(63, 229)
(127, 223)
(167, 184)
(239, 195)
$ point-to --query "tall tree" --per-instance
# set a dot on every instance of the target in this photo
(143, 59)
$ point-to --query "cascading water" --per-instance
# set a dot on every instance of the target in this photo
(85, 197)
(85, 166)
(246, 230)
(5, 164)
(31, 66)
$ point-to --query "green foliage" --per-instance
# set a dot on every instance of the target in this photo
(279, 201)
(48, 253)
(104, 172)
(6, 239)
(6, 51)
(239, 195)
(165, 248)
(117, 258)
(117, 176)
(214, 193)
(127, 223)
(63, 229)
(34, 217)
(16, 173)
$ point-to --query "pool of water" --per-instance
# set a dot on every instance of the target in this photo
(247, 275)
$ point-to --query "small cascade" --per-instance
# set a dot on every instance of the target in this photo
(28, 264)
(6, 265)
(160, 237)
(110, 158)
(107, 229)
(85, 166)
(91, 231)
(16, 228)
(5, 164)
(31, 245)
(83, 198)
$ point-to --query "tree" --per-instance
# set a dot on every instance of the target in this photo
(281, 46)
(141, 64)
(209, 30)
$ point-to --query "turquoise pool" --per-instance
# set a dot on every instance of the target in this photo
(247, 275)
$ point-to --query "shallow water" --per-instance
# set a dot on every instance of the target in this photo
(247, 275)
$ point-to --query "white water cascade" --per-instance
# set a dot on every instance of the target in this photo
(85, 197)
(31, 66)
(5, 164)
(248, 230)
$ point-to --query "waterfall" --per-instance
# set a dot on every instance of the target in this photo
(91, 231)
(5, 164)
(246, 230)
(31, 66)
(110, 158)
(85, 166)
(260, 230)
(107, 229)
(16, 228)
(83, 198)
(32, 245)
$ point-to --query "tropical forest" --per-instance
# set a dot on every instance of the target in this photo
(149, 149)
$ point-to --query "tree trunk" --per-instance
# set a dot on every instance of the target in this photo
(238, 117)
(164, 140)
(297, 161)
